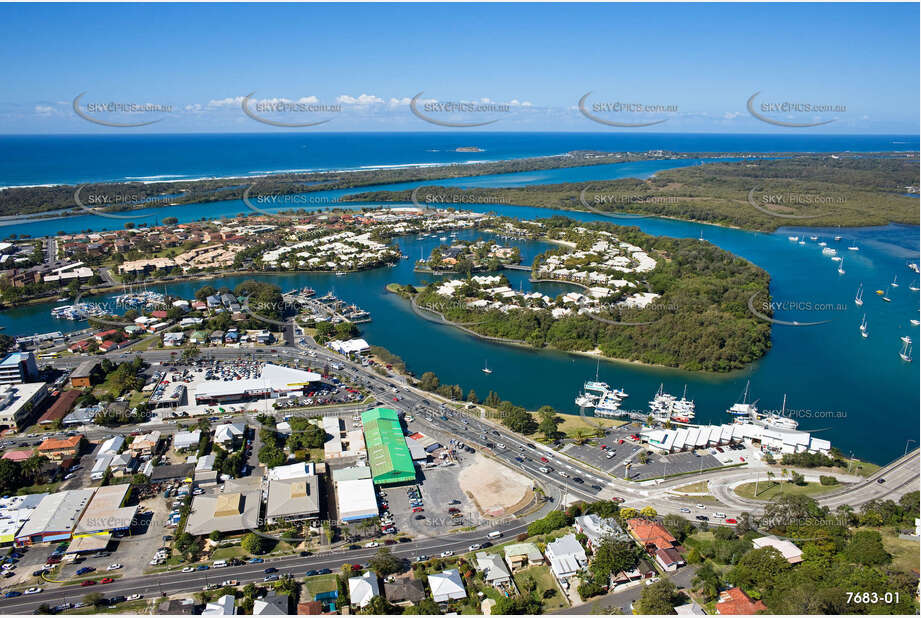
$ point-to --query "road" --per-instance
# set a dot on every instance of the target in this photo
(901, 476)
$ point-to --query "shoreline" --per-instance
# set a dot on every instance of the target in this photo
(596, 354)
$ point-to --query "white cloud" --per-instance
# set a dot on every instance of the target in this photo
(363, 99)
(226, 102)
(44, 110)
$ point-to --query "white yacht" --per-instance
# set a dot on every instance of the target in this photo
(780, 421)
(905, 354)
(841, 267)
(863, 327)
(895, 281)
(744, 408)
(858, 300)
(486, 368)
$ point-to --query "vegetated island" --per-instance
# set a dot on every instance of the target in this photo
(654, 300)
(59, 200)
(755, 194)
(468, 149)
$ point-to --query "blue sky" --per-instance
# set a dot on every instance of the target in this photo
(697, 64)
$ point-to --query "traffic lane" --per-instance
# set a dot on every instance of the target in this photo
(175, 581)
(530, 465)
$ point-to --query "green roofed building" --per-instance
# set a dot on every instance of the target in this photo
(387, 451)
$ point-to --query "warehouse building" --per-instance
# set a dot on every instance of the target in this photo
(356, 500)
(55, 517)
(274, 381)
(388, 453)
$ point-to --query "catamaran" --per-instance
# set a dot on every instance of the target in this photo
(905, 339)
(858, 300)
(905, 354)
(744, 408)
(863, 327)
(486, 368)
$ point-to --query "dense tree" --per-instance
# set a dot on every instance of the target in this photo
(658, 599)
(866, 547)
(385, 563)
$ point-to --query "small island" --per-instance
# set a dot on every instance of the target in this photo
(468, 257)
(468, 149)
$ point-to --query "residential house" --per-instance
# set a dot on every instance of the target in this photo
(595, 529)
(566, 556)
(495, 572)
(145, 444)
(522, 555)
(788, 550)
(447, 586)
(229, 435)
(734, 602)
(57, 449)
(669, 559)
(363, 588)
(224, 606)
(272, 604)
(652, 535)
(404, 590)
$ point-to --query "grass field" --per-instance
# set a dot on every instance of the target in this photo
(544, 580)
(700, 487)
(320, 583)
(904, 552)
(768, 490)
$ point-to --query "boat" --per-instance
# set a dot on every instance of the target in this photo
(813, 238)
(744, 408)
(853, 248)
(586, 401)
(914, 286)
(486, 368)
(905, 354)
(863, 327)
(683, 409)
(779, 421)
(802, 242)
(914, 267)
(837, 238)
(609, 405)
(841, 267)
(895, 281)
(858, 300)
(442, 238)
(905, 339)
(790, 238)
(829, 251)
(915, 322)
(339, 273)
(886, 296)
(836, 258)
(63, 299)
(823, 244)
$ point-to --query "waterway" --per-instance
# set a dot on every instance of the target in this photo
(839, 385)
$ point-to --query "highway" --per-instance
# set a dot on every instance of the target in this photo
(900, 477)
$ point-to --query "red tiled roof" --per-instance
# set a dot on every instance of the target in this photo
(735, 602)
(651, 532)
(18, 455)
(60, 407)
(56, 444)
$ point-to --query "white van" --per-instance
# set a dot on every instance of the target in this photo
(495, 534)
(219, 563)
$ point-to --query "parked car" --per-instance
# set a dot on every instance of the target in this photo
(106, 580)
(88, 582)
(447, 553)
